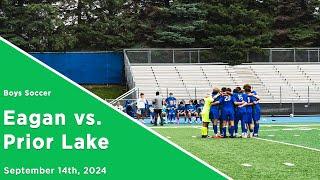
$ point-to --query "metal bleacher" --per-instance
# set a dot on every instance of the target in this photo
(273, 82)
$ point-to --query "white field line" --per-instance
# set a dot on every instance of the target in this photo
(295, 145)
(111, 106)
(289, 144)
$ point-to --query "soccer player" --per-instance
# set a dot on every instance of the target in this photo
(256, 111)
(227, 114)
(191, 111)
(214, 111)
(181, 111)
(240, 111)
(200, 108)
(171, 109)
(128, 108)
(164, 111)
(171, 98)
(223, 90)
(141, 107)
(249, 108)
(205, 115)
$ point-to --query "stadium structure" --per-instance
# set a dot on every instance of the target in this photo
(287, 78)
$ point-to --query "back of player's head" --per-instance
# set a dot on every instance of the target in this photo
(157, 93)
(223, 89)
(247, 86)
(195, 101)
(228, 90)
(181, 102)
(171, 94)
(238, 88)
(215, 90)
(247, 90)
(235, 90)
(141, 94)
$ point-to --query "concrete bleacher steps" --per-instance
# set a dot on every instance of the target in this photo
(290, 83)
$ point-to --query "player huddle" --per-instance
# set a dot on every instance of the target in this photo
(226, 108)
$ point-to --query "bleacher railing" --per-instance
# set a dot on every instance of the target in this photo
(128, 73)
(276, 55)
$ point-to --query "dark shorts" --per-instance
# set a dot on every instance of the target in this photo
(141, 111)
(249, 118)
(227, 115)
(256, 115)
(214, 114)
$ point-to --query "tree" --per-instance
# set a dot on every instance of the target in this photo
(296, 23)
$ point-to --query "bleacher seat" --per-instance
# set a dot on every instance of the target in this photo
(297, 82)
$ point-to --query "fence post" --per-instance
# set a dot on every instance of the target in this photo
(318, 55)
(195, 92)
(198, 56)
(294, 55)
(270, 55)
(149, 56)
(173, 60)
(308, 55)
(190, 57)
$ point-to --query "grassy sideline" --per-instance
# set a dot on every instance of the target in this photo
(267, 158)
(106, 91)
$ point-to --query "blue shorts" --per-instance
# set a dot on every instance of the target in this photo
(256, 115)
(241, 116)
(249, 117)
(214, 114)
(227, 115)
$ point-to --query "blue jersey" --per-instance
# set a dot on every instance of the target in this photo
(171, 109)
(191, 108)
(239, 97)
(256, 107)
(199, 107)
(215, 107)
(171, 99)
(249, 100)
(227, 103)
(181, 108)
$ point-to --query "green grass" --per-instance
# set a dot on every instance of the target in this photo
(266, 158)
(106, 91)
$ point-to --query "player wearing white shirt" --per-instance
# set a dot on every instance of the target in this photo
(141, 107)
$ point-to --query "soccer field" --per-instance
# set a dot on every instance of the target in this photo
(282, 151)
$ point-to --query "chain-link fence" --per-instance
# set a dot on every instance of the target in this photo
(164, 55)
(208, 55)
(285, 55)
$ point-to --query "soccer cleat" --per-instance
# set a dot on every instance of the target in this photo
(244, 135)
(216, 136)
(250, 135)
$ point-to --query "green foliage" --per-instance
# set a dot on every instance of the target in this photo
(231, 28)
